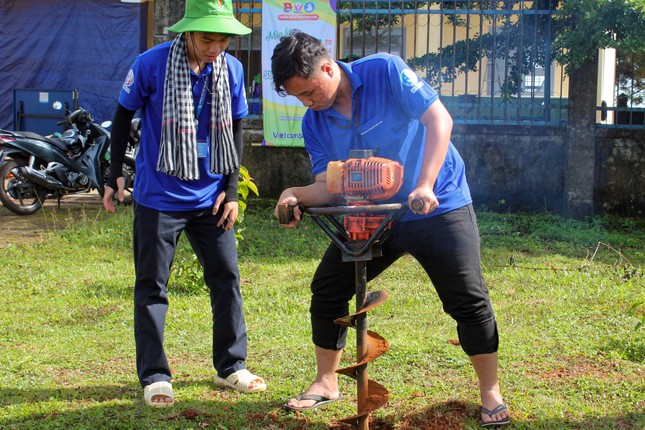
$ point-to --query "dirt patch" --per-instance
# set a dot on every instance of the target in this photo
(585, 367)
(22, 229)
(451, 415)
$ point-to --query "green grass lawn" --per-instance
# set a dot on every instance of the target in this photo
(566, 295)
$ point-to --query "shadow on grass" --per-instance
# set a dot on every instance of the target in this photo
(110, 289)
(122, 407)
(455, 415)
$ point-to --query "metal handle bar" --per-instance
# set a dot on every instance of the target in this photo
(417, 204)
(394, 213)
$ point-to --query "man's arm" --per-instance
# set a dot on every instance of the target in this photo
(233, 178)
(119, 134)
(311, 195)
(118, 144)
(229, 197)
(438, 123)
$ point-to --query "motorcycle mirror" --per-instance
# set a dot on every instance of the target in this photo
(57, 105)
(106, 124)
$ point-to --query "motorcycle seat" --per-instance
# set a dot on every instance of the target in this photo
(58, 143)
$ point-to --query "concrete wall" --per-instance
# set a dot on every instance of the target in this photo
(619, 184)
(273, 168)
(166, 13)
(509, 168)
(514, 168)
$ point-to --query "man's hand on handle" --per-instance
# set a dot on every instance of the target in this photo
(425, 195)
(287, 210)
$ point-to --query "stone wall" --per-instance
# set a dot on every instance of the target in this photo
(619, 183)
(509, 168)
(167, 13)
(514, 168)
(273, 168)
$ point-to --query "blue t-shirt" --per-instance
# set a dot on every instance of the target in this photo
(143, 89)
(388, 101)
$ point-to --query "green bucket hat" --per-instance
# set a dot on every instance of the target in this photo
(211, 17)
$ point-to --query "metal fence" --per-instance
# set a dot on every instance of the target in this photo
(622, 103)
(491, 61)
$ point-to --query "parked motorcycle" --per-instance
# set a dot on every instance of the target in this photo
(134, 138)
(34, 167)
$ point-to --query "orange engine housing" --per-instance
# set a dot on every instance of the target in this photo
(362, 180)
(365, 179)
(361, 227)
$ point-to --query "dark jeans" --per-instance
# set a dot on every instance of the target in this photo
(447, 246)
(155, 241)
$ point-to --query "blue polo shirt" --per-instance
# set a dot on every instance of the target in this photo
(143, 90)
(388, 101)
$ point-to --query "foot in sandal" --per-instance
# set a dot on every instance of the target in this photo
(242, 381)
(326, 390)
(494, 411)
(159, 394)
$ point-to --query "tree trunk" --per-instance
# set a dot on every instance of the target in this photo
(579, 178)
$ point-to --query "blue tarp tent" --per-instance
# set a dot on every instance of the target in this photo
(87, 45)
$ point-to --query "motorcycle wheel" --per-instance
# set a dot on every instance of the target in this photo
(128, 175)
(17, 194)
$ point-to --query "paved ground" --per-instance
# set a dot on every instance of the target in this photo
(29, 228)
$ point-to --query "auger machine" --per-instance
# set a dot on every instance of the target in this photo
(362, 180)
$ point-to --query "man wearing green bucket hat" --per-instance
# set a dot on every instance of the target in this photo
(191, 96)
(210, 16)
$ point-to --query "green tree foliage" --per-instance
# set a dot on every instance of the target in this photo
(524, 41)
(588, 25)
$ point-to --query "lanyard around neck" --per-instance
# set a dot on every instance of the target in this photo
(202, 97)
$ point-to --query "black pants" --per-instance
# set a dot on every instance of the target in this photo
(155, 241)
(447, 247)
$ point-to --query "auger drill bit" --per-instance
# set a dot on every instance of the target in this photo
(371, 394)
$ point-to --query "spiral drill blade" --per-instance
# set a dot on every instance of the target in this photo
(376, 345)
(373, 300)
(378, 396)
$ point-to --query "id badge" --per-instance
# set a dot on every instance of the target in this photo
(202, 148)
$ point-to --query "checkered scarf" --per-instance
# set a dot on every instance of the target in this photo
(178, 148)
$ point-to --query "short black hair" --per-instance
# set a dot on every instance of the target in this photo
(295, 55)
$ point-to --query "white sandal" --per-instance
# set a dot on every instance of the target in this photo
(240, 381)
(161, 388)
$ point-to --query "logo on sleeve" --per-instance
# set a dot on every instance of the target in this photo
(129, 80)
(410, 79)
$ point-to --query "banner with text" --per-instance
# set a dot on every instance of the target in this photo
(282, 116)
